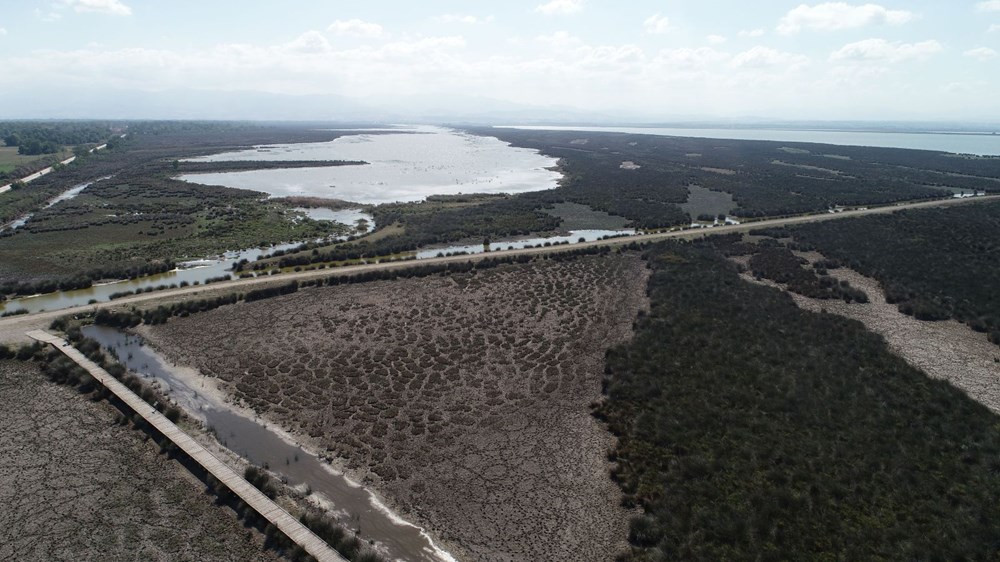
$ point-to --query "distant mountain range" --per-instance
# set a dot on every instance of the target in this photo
(445, 108)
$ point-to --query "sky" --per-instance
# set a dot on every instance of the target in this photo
(626, 60)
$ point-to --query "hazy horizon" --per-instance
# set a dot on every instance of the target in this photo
(558, 61)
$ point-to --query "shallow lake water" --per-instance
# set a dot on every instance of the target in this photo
(64, 196)
(350, 217)
(194, 271)
(573, 237)
(190, 272)
(960, 143)
(405, 166)
(354, 506)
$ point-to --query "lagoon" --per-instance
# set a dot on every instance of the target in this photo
(408, 165)
(983, 144)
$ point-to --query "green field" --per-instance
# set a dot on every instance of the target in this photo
(10, 160)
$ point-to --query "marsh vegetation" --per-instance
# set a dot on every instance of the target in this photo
(464, 402)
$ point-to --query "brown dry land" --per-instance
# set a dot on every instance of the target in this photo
(77, 486)
(462, 399)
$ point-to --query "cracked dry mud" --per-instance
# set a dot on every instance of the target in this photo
(76, 486)
(463, 399)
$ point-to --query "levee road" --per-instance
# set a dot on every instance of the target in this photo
(13, 328)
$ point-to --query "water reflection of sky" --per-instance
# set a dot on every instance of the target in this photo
(402, 167)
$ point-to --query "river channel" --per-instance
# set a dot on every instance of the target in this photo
(64, 196)
(190, 272)
(265, 445)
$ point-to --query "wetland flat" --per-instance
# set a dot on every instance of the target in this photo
(463, 399)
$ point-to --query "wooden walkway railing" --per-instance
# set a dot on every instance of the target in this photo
(269, 510)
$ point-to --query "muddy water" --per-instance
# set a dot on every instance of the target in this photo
(409, 166)
(64, 196)
(573, 237)
(350, 217)
(196, 271)
(191, 272)
(199, 270)
(354, 506)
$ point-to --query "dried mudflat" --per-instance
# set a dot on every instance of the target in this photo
(462, 399)
(78, 486)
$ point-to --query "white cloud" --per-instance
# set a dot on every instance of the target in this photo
(553, 69)
(881, 50)
(113, 7)
(460, 18)
(989, 6)
(832, 16)
(981, 53)
(751, 33)
(559, 40)
(715, 39)
(699, 59)
(309, 42)
(993, 28)
(3, 31)
(305, 65)
(762, 57)
(560, 7)
(49, 16)
(356, 28)
(656, 24)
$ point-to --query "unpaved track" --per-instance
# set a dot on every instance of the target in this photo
(13, 328)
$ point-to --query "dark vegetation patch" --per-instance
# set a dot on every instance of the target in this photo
(869, 176)
(751, 429)
(37, 137)
(30, 146)
(575, 216)
(780, 265)
(935, 263)
(187, 167)
(703, 203)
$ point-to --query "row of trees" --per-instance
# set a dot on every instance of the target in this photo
(83, 280)
(32, 138)
(160, 314)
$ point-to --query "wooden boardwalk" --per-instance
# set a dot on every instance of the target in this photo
(269, 510)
